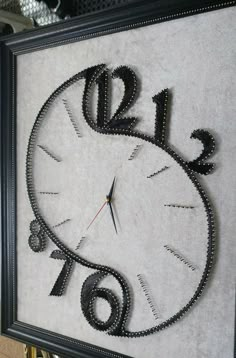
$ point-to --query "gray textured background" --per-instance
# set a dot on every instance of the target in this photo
(195, 57)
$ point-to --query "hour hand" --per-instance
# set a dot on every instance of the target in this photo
(109, 200)
(109, 196)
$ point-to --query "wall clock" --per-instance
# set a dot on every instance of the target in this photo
(117, 182)
(121, 204)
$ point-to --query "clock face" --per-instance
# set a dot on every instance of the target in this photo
(126, 207)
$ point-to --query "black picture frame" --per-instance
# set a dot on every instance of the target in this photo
(122, 18)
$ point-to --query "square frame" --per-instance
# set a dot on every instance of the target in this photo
(136, 14)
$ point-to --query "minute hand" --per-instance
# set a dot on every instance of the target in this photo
(112, 215)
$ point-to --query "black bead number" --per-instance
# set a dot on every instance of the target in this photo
(199, 165)
(63, 278)
(90, 292)
(38, 239)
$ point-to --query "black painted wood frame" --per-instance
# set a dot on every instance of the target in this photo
(122, 18)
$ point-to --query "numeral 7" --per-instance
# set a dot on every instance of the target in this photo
(64, 276)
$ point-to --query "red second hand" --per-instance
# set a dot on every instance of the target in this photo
(97, 213)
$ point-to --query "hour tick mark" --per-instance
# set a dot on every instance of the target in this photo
(180, 206)
(158, 172)
(135, 152)
(180, 257)
(146, 291)
(62, 223)
(73, 122)
(80, 242)
(49, 153)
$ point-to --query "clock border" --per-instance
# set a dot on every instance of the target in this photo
(129, 133)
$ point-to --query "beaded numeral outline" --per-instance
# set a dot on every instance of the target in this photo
(119, 125)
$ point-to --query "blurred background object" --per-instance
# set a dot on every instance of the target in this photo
(32, 352)
(43, 12)
(37, 11)
(10, 22)
(10, 348)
